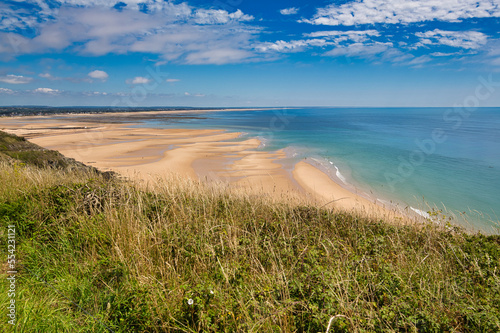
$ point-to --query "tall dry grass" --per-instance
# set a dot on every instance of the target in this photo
(180, 256)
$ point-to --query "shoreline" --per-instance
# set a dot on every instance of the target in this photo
(141, 113)
(144, 154)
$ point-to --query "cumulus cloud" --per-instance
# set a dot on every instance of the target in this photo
(176, 32)
(99, 75)
(46, 91)
(6, 91)
(15, 79)
(219, 16)
(138, 80)
(283, 46)
(289, 11)
(403, 11)
(460, 39)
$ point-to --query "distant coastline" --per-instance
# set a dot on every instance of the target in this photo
(146, 153)
(16, 111)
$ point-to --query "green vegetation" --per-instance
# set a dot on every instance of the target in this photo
(17, 149)
(180, 256)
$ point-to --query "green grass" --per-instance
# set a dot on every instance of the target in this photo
(132, 257)
(15, 149)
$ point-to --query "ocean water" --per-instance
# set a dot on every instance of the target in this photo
(424, 158)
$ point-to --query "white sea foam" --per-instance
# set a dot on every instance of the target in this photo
(339, 175)
(263, 142)
(322, 163)
(421, 212)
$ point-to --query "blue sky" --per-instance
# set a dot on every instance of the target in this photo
(248, 53)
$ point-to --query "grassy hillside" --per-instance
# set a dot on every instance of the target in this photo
(99, 255)
(18, 150)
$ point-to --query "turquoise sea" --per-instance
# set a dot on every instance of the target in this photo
(447, 158)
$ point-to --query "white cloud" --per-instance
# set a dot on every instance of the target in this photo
(218, 56)
(350, 33)
(6, 91)
(352, 43)
(46, 91)
(45, 75)
(138, 80)
(289, 11)
(283, 46)
(292, 46)
(46, 10)
(196, 45)
(443, 54)
(175, 32)
(153, 6)
(180, 33)
(404, 11)
(15, 79)
(360, 50)
(356, 36)
(461, 39)
(335, 33)
(172, 80)
(100, 75)
(329, 38)
(219, 16)
(13, 18)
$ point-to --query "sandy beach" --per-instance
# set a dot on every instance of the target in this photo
(145, 154)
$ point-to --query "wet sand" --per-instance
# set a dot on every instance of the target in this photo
(144, 154)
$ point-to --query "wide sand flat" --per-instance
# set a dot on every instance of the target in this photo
(144, 154)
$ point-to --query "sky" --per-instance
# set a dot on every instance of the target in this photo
(247, 53)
